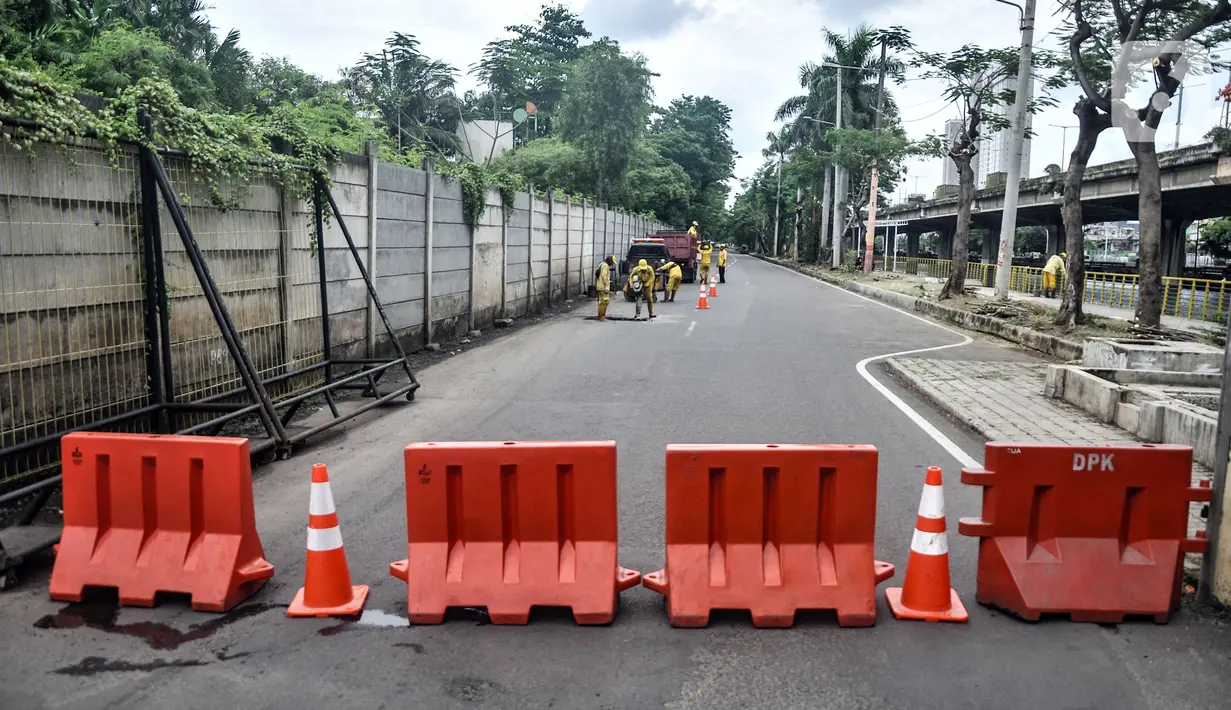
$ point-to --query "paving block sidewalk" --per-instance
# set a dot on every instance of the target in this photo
(1004, 401)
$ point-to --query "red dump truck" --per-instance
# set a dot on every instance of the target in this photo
(683, 248)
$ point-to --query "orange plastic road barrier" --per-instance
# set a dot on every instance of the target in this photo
(147, 514)
(772, 529)
(703, 303)
(1095, 532)
(713, 286)
(326, 590)
(926, 594)
(510, 526)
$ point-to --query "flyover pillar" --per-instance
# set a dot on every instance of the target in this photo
(912, 244)
(1055, 239)
(1174, 246)
(944, 245)
(991, 244)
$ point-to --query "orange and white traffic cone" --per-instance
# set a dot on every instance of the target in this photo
(703, 303)
(926, 594)
(327, 590)
(713, 286)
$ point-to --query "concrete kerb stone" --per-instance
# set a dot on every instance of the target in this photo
(1033, 339)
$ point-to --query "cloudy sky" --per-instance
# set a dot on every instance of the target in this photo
(744, 52)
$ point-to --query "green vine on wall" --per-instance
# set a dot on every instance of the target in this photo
(225, 151)
(476, 180)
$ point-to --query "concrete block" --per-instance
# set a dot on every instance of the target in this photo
(1128, 417)
(1150, 422)
(1129, 354)
(1189, 428)
(1092, 394)
(1053, 387)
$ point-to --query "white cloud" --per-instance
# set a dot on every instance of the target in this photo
(743, 52)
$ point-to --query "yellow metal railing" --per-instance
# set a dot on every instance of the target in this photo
(935, 268)
(1193, 299)
(1112, 290)
(984, 274)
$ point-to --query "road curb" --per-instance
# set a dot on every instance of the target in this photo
(1033, 339)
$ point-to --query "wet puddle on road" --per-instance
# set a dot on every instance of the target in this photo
(103, 614)
(370, 618)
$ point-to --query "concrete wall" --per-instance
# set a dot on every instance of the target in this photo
(72, 301)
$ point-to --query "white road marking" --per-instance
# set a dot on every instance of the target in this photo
(945, 442)
(690, 328)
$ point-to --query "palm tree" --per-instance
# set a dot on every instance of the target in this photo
(413, 93)
(779, 144)
(860, 49)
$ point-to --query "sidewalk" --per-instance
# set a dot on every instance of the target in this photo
(1003, 401)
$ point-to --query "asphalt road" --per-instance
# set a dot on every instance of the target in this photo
(773, 360)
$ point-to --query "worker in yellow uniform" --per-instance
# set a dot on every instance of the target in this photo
(674, 276)
(1051, 273)
(603, 285)
(692, 231)
(641, 285)
(722, 264)
(705, 252)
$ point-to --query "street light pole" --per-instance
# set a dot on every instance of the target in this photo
(837, 179)
(1008, 222)
(1064, 143)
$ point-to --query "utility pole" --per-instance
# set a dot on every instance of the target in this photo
(837, 181)
(778, 204)
(1215, 565)
(1179, 119)
(869, 250)
(1008, 221)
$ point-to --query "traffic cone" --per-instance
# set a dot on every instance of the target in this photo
(703, 303)
(926, 594)
(713, 286)
(327, 590)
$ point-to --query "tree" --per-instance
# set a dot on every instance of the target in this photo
(548, 162)
(230, 68)
(654, 184)
(412, 92)
(532, 66)
(975, 82)
(1216, 238)
(810, 111)
(121, 56)
(856, 150)
(779, 144)
(1179, 21)
(1095, 32)
(277, 80)
(1028, 240)
(605, 109)
(695, 132)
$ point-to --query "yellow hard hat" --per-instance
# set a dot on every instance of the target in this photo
(1064, 255)
(642, 263)
(694, 224)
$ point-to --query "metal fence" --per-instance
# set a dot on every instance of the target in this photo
(128, 302)
(72, 302)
